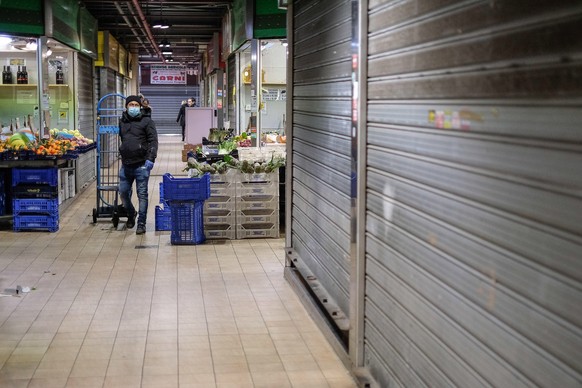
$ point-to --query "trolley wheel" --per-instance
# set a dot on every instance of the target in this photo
(115, 219)
(94, 215)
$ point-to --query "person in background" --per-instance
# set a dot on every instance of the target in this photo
(182, 115)
(138, 150)
(146, 107)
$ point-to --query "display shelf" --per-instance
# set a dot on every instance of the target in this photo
(33, 85)
(19, 85)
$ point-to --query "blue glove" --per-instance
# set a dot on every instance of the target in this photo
(149, 165)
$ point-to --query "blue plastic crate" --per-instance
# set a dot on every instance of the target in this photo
(163, 218)
(38, 176)
(36, 222)
(162, 199)
(35, 191)
(187, 222)
(186, 189)
(50, 206)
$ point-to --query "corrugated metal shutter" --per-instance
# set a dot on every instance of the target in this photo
(107, 81)
(165, 102)
(85, 170)
(86, 105)
(321, 146)
(231, 104)
(119, 84)
(474, 207)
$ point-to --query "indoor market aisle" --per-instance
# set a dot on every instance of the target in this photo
(112, 309)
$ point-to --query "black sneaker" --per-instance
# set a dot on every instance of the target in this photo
(140, 229)
(130, 222)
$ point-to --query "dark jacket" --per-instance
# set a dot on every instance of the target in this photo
(182, 115)
(146, 111)
(139, 139)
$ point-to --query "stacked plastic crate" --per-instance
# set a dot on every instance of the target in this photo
(186, 197)
(35, 203)
(219, 209)
(163, 212)
(257, 205)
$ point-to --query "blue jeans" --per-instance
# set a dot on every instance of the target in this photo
(141, 177)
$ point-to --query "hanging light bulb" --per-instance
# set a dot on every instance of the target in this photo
(161, 23)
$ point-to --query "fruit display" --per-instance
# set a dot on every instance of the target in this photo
(71, 134)
(243, 140)
(18, 141)
(61, 143)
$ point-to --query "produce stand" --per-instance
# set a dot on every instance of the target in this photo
(31, 202)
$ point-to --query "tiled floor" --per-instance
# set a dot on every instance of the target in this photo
(112, 309)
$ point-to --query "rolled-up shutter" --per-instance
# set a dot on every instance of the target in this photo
(321, 149)
(474, 194)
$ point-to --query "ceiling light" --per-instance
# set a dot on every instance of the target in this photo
(161, 24)
(164, 43)
(167, 52)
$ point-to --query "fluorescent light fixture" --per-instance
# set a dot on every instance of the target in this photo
(161, 24)
(164, 43)
(167, 52)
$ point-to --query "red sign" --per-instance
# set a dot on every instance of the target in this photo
(168, 75)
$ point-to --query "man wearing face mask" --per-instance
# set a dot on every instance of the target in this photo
(138, 150)
(182, 115)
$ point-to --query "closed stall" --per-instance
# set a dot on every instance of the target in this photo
(85, 171)
(320, 231)
(467, 269)
(472, 242)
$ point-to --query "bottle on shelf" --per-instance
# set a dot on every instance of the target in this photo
(60, 76)
(11, 126)
(4, 73)
(19, 76)
(24, 75)
(7, 77)
(17, 124)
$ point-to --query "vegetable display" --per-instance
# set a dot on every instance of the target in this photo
(246, 166)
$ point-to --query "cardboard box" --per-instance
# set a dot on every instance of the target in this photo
(187, 148)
